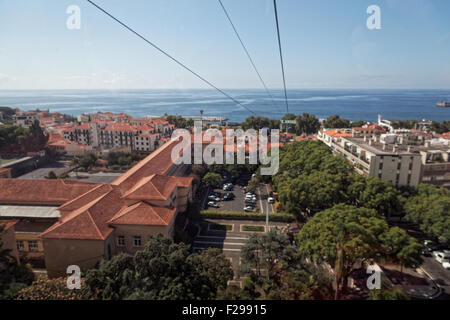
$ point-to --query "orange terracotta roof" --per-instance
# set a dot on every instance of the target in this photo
(89, 221)
(145, 127)
(142, 213)
(338, 133)
(41, 191)
(158, 162)
(445, 135)
(156, 187)
(83, 126)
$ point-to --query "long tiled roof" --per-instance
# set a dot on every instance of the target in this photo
(41, 191)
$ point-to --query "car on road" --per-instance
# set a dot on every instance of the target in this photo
(442, 256)
(213, 204)
(249, 209)
(270, 200)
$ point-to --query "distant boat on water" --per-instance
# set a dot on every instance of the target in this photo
(443, 104)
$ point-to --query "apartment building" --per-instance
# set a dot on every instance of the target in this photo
(436, 164)
(380, 156)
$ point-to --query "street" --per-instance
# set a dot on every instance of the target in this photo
(437, 273)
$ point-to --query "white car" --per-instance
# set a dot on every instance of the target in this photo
(213, 204)
(270, 200)
(442, 256)
(249, 209)
(446, 265)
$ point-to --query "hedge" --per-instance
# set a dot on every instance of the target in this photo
(226, 215)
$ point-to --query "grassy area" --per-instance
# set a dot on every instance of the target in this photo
(220, 227)
(253, 228)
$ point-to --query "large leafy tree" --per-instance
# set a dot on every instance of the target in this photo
(307, 124)
(162, 270)
(430, 209)
(276, 271)
(335, 121)
(211, 179)
(344, 234)
(381, 196)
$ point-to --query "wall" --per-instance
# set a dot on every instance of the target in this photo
(60, 253)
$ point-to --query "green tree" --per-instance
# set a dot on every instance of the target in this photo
(335, 121)
(307, 124)
(211, 179)
(162, 270)
(276, 271)
(344, 234)
(388, 293)
(430, 209)
(381, 196)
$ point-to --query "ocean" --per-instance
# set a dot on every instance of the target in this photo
(351, 104)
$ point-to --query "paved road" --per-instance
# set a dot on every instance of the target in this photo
(437, 273)
(58, 168)
(263, 194)
(230, 242)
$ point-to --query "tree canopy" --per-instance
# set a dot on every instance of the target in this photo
(212, 179)
(430, 209)
(163, 270)
(343, 235)
(17, 140)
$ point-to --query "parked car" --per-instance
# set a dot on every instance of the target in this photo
(213, 198)
(213, 204)
(442, 256)
(228, 187)
(270, 200)
(249, 209)
(446, 265)
(228, 196)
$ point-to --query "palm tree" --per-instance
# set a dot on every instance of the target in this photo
(201, 114)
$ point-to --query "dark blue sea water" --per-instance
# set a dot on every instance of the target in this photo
(350, 104)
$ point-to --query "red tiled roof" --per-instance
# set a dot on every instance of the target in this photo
(83, 126)
(89, 221)
(41, 191)
(144, 127)
(156, 187)
(445, 135)
(158, 162)
(142, 213)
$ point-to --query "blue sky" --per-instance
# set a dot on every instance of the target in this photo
(326, 44)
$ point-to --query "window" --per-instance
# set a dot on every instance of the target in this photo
(20, 245)
(33, 246)
(121, 241)
(137, 241)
